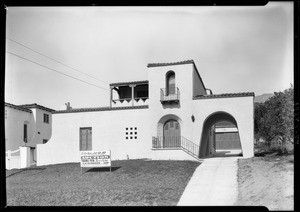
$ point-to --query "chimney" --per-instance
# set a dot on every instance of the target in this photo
(68, 106)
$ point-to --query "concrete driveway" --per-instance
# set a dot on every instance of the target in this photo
(214, 183)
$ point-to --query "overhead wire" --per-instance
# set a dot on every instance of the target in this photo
(55, 70)
(55, 60)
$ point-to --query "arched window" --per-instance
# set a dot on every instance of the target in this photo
(170, 83)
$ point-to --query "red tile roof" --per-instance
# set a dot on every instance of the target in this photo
(225, 95)
(129, 83)
(170, 64)
(37, 106)
(17, 107)
(78, 110)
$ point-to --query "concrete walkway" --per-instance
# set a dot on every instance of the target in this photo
(214, 183)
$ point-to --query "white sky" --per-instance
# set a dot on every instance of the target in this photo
(236, 49)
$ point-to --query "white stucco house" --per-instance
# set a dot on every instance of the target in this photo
(26, 126)
(171, 115)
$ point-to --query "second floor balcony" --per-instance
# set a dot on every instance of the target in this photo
(126, 94)
(169, 95)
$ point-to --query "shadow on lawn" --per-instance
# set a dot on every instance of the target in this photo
(22, 170)
(104, 169)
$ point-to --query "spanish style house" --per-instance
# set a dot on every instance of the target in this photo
(25, 126)
(171, 115)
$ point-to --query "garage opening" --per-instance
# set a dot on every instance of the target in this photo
(220, 136)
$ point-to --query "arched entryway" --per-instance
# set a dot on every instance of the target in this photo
(220, 136)
(171, 134)
(169, 131)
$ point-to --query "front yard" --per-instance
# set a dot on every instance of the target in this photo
(267, 181)
(131, 182)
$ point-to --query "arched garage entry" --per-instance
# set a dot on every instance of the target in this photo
(220, 132)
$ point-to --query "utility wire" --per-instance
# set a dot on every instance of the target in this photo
(55, 60)
(55, 70)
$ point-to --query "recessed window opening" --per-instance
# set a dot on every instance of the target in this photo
(170, 83)
(46, 118)
(25, 133)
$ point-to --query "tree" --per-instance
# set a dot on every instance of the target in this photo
(274, 119)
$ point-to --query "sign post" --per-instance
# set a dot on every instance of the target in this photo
(94, 159)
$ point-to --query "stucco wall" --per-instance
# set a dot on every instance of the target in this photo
(41, 130)
(108, 133)
(171, 154)
(183, 79)
(242, 110)
(198, 87)
(14, 128)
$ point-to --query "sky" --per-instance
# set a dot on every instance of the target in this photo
(235, 49)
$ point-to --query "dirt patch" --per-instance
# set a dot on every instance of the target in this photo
(267, 181)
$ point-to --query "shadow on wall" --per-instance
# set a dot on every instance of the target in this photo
(171, 105)
(208, 123)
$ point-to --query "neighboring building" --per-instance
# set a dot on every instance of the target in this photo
(27, 125)
(169, 116)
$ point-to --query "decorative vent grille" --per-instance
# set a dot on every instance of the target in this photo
(131, 133)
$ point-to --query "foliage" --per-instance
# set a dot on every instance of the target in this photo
(274, 119)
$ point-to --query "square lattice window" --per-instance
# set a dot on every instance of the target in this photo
(132, 131)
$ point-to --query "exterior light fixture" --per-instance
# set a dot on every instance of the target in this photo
(193, 118)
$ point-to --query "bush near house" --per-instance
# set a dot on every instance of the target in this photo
(274, 121)
(131, 183)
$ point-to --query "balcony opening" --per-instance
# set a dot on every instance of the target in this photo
(129, 94)
(170, 83)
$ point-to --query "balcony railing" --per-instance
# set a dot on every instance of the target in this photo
(166, 142)
(169, 97)
(127, 102)
(162, 142)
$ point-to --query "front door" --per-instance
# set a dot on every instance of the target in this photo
(172, 135)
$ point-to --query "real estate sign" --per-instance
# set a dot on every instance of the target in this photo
(95, 159)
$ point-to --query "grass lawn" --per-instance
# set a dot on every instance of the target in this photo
(131, 182)
(267, 181)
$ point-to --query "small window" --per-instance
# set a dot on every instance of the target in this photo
(126, 137)
(46, 118)
(130, 133)
(135, 128)
(127, 133)
(25, 133)
(135, 132)
(45, 141)
(171, 124)
(130, 137)
(176, 126)
(131, 128)
(126, 128)
(135, 137)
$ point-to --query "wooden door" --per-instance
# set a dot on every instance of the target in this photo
(172, 135)
(86, 139)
